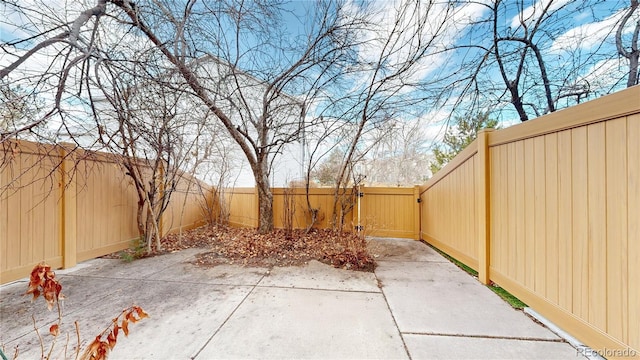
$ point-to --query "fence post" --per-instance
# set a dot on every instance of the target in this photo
(357, 217)
(68, 202)
(484, 206)
(416, 212)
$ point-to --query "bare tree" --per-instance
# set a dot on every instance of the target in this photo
(394, 63)
(534, 57)
(632, 53)
(400, 158)
(154, 131)
(255, 64)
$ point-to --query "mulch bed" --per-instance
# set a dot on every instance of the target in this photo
(247, 247)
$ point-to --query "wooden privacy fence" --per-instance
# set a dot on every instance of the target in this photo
(379, 211)
(550, 210)
(63, 207)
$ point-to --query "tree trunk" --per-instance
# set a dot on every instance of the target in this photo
(265, 202)
(265, 207)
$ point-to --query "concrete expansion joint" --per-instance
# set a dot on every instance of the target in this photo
(393, 317)
(315, 289)
(516, 338)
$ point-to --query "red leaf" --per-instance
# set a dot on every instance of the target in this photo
(141, 313)
(111, 338)
(125, 327)
(54, 330)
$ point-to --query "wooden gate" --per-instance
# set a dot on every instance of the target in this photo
(389, 212)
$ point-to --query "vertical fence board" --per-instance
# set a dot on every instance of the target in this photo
(529, 215)
(616, 225)
(495, 217)
(512, 243)
(565, 221)
(580, 223)
(26, 218)
(519, 194)
(551, 220)
(597, 258)
(633, 233)
(539, 233)
(14, 220)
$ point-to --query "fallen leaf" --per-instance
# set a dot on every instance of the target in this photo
(54, 330)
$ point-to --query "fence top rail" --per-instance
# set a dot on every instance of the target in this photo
(238, 190)
(302, 191)
(31, 148)
(612, 106)
(396, 190)
(388, 190)
(460, 159)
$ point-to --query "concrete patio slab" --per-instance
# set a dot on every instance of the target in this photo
(416, 303)
(186, 320)
(137, 269)
(320, 276)
(217, 275)
(391, 249)
(179, 326)
(436, 273)
(456, 347)
(276, 323)
(439, 301)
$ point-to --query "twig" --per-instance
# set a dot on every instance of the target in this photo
(78, 336)
(38, 333)
(66, 345)
(53, 343)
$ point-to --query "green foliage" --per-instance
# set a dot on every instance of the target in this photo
(137, 250)
(507, 296)
(504, 294)
(458, 137)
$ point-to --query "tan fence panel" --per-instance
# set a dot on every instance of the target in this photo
(243, 206)
(319, 198)
(579, 225)
(564, 209)
(30, 209)
(188, 206)
(390, 212)
(63, 207)
(449, 208)
(106, 208)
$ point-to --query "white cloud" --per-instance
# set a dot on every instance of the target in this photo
(533, 12)
(603, 75)
(587, 36)
(394, 38)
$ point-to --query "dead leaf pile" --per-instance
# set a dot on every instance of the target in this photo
(247, 247)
